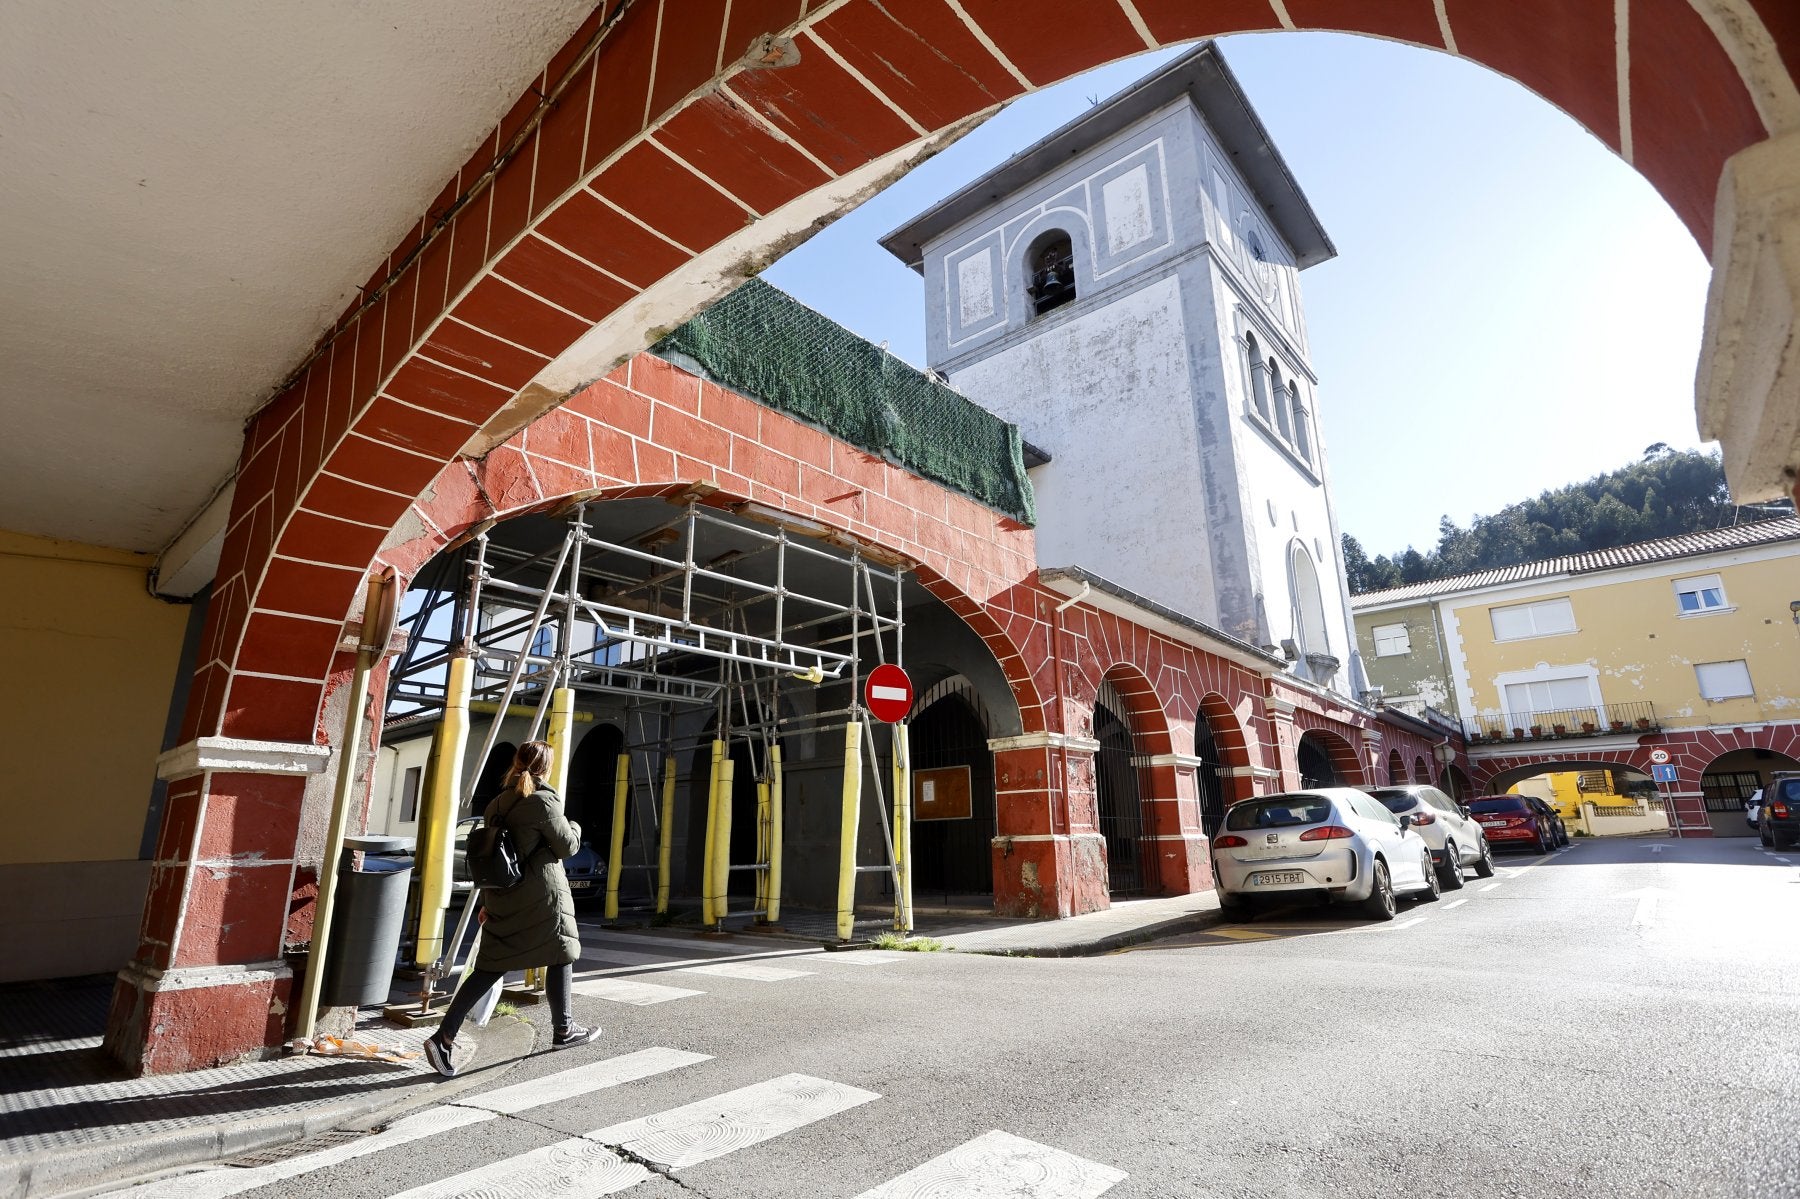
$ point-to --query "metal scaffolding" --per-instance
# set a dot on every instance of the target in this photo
(698, 624)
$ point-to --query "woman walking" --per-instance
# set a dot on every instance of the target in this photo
(531, 923)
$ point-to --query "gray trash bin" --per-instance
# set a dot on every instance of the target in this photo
(367, 919)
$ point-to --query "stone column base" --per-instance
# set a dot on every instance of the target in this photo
(1183, 863)
(1050, 876)
(168, 1021)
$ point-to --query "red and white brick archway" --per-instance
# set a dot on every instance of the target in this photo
(1691, 751)
(655, 161)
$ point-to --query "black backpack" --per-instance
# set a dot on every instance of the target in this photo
(493, 858)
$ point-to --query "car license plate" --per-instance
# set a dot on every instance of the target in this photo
(1276, 878)
(1492, 823)
(581, 886)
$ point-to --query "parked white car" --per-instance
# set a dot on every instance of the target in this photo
(1455, 838)
(1334, 843)
(1753, 811)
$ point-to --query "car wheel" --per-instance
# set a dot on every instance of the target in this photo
(1763, 836)
(1432, 886)
(1450, 877)
(1543, 846)
(1484, 865)
(1380, 903)
(1232, 905)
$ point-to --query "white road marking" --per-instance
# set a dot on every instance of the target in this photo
(630, 990)
(1408, 923)
(572, 1167)
(760, 974)
(1455, 903)
(1781, 859)
(1490, 886)
(999, 1165)
(690, 945)
(698, 1132)
(582, 1080)
(1656, 848)
(866, 957)
(218, 1183)
(1646, 910)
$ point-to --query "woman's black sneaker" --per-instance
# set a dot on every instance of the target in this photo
(575, 1034)
(446, 1057)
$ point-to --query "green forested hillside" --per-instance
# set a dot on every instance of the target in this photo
(1663, 494)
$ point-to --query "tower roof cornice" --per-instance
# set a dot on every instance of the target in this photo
(1204, 77)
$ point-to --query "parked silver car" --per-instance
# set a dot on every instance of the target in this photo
(1455, 838)
(1334, 843)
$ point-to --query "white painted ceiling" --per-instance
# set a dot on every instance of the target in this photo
(191, 191)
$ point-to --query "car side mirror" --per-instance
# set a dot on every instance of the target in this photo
(1405, 823)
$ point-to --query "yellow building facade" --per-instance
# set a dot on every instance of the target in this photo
(1681, 653)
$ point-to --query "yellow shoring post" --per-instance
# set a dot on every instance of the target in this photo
(562, 723)
(615, 857)
(762, 844)
(774, 908)
(437, 820)
(712, 827)
(846, 897)
(722, 841)
(903, 910)
(666, 835)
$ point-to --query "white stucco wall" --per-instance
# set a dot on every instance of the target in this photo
(1107, 393)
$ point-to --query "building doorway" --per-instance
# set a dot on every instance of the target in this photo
(1119, 809)
(1209, 778)
(1314, 760)
(953, 857)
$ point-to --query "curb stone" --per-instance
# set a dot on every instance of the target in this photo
(1192, 922)
(96, 1169)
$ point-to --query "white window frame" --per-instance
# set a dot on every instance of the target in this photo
(1530, 606)
(1698, 585)
(1749, 691)
(1547, 673)
(1385, 633)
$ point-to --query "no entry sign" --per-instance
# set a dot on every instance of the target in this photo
(889, 693)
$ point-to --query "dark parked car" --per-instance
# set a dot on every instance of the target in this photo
(1779, 821)
(1512, 820)
(1547, 812)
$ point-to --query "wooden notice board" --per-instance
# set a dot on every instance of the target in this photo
(941, 793)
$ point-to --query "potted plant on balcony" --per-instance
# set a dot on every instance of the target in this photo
(1518, 733)
(1589, 727)
(1643, 722)
(1537, 731)
(1560, 729)
(1618, 726)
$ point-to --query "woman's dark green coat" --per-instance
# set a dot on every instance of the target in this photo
(532, 923)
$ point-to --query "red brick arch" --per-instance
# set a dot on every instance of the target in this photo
(1232, 743)
(652, 164)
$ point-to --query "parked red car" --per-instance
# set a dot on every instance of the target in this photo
(1511, 820)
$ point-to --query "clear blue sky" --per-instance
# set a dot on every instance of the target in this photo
(1512, 306)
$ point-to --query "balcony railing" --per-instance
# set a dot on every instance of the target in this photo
(1556, 724)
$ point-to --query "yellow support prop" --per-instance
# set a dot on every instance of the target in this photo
(722, 841)
(562, 721)
(762, 843)
(903, 910)
(712, 825)
(666, 839)
(774, 908)
(437, 816)
(615, 858)
(846, 896)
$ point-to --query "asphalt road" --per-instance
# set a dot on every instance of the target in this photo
(1621, 1018)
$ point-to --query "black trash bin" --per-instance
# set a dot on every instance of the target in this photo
(367, 919)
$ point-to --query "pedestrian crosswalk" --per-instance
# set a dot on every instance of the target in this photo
(615, 1158)
(661, 1139)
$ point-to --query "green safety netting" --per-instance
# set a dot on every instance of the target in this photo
(765, 344)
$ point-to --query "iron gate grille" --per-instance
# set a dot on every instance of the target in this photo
(1207, 780)
(1728, 790)
(1119, 809)
(953, 858)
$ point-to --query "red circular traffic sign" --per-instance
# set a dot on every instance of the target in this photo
(1659, 756)
(888, 692)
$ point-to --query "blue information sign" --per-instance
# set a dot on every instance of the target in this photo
(1663, 774)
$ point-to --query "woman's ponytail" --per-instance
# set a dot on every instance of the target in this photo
(530, 768)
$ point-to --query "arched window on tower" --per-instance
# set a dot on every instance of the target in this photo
(1052, 266)
(1281, 395)
(1309, 615)
(1302, 438)
(1259, 375)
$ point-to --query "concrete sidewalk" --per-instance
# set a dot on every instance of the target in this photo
(70, 1121)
